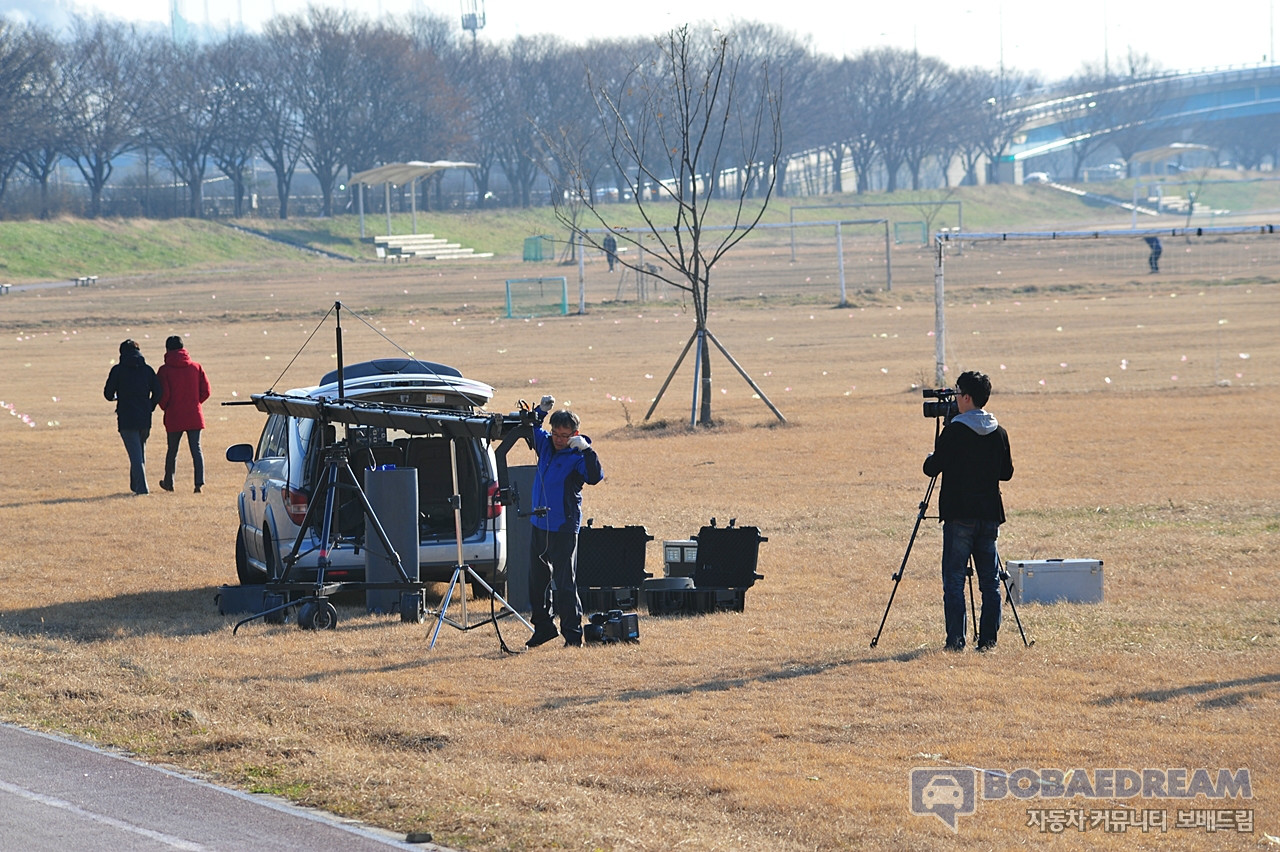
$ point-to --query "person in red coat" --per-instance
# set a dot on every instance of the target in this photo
(183, 387)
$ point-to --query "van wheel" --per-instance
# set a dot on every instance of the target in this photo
(270, 556)
(249, 576)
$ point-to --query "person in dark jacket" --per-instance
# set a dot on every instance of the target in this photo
(611, 250)
(1153, 259)
(566, 462)
(132, 385)
(972, 455)
(184, 387)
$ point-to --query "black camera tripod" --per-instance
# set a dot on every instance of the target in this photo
(902, 569)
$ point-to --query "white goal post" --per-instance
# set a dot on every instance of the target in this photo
(633, 238)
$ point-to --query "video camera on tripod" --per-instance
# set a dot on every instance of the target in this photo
(946, 406)
(943, 408)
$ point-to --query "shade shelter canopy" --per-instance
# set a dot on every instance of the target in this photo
(400, 174)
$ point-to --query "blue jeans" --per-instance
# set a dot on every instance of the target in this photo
(553, 584)
(135, 441)
(171, 455)
(962, 539)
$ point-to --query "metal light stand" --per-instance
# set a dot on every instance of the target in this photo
(463, 572)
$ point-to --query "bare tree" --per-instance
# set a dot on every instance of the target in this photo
(481, 115)
(1115, 108)
(437, 99)
(234, 147)
(21, 58)
(853, 94)
(320, 58)
(280, 131)
(46, 133)
(997, 122)
(525, 108)
(1251, 141)
(1136, 106)
(379, 93)
(894, 76)
(929, 110)
(687, 103)
(769, 50)
(104, 98)
(830, 124)
(185, 113)
(976, 108)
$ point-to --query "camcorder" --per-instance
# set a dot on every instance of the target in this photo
(612, 626)
(945, 405)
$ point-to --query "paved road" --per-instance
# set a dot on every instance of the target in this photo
(56, 795)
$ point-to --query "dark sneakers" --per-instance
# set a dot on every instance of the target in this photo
(542, 634)
(166, 484)
(986, 645)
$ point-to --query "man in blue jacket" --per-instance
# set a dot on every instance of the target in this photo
(566, 462)
(132, 385)
(972, 455)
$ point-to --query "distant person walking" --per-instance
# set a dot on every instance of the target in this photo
(611, 250)
(132, 385)
(1153, 259)
(184, 387)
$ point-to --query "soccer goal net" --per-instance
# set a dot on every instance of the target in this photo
(1109, 310)
(537, 297)
(799, 261)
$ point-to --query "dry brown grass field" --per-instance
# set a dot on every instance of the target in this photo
(777, 728)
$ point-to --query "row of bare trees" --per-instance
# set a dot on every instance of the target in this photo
(338, 94)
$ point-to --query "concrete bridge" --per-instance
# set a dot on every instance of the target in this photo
(1154, 112)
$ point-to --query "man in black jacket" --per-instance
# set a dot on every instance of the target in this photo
(972, 455)
(132, 385)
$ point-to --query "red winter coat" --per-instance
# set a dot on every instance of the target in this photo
(183, 387)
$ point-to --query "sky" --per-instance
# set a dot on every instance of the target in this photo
(1053, 39)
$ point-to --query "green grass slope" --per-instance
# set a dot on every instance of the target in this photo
(67, 248)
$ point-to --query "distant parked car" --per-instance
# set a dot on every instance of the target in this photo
(1037, 177)
(287, 467)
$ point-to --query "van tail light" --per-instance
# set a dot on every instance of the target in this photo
(495, 501)
(295, 504)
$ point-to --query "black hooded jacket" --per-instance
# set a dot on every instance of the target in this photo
(133, 385)
(972, 455)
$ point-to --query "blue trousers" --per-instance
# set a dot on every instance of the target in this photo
(962, 539)
(553, 582)
(135, 444)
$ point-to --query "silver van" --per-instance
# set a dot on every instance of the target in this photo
(292, 460)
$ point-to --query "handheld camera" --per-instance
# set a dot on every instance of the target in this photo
(945, 405)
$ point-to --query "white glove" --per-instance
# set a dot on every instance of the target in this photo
(577, 442)
(548, 402)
